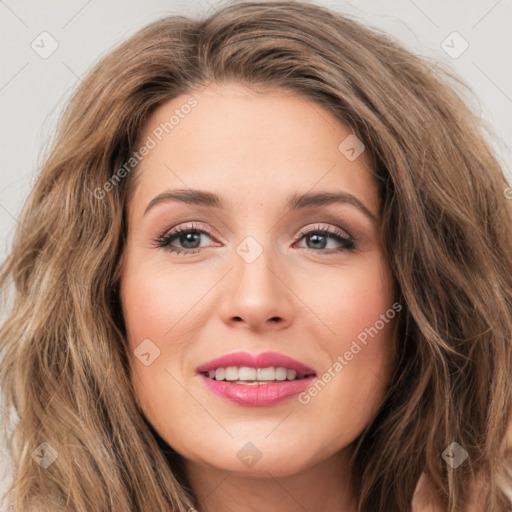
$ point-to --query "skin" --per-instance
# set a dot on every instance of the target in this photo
(255, 149)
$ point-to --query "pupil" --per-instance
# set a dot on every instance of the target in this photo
(184, 239)
(317, 238)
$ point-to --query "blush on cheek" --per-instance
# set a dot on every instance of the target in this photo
(148, 308)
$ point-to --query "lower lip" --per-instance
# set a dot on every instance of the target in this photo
(256, 395)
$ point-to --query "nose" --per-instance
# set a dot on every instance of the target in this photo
(259, 295)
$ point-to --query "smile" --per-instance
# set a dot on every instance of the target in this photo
(256, 393)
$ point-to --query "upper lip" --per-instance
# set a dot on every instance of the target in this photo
(263, 360)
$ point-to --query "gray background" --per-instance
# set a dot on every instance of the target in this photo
(33, 89)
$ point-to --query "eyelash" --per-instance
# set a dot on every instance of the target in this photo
(348, 243)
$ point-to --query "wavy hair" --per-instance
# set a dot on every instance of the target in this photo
(446, 226)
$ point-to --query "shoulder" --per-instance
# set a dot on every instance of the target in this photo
(425, 499)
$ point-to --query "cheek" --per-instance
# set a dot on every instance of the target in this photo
(155, 307)
(156, 302)
(351, 300)
(358, 309)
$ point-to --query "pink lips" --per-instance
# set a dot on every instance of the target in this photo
(263, 360)
(256, 395)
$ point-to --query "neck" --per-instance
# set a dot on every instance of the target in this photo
(323, 487)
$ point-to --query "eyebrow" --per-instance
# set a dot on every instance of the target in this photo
(294, 201)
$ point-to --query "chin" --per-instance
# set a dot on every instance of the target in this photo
(276, 463)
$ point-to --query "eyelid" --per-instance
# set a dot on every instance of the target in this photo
(172, 232)
(194, 226)
(347, 242)
(330, 229)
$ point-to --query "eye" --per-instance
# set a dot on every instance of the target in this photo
(319, 236)
(190, 237)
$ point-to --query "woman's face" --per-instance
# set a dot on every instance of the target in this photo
(256, 275)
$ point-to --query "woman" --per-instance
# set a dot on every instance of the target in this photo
(152, 371)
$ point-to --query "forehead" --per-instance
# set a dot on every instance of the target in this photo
(250, 146)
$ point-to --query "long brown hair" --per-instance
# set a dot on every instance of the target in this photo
(447, 230)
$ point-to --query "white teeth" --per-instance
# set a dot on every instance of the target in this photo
(231, 373)
(280, 373)
(246, 374)
(266, 374)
